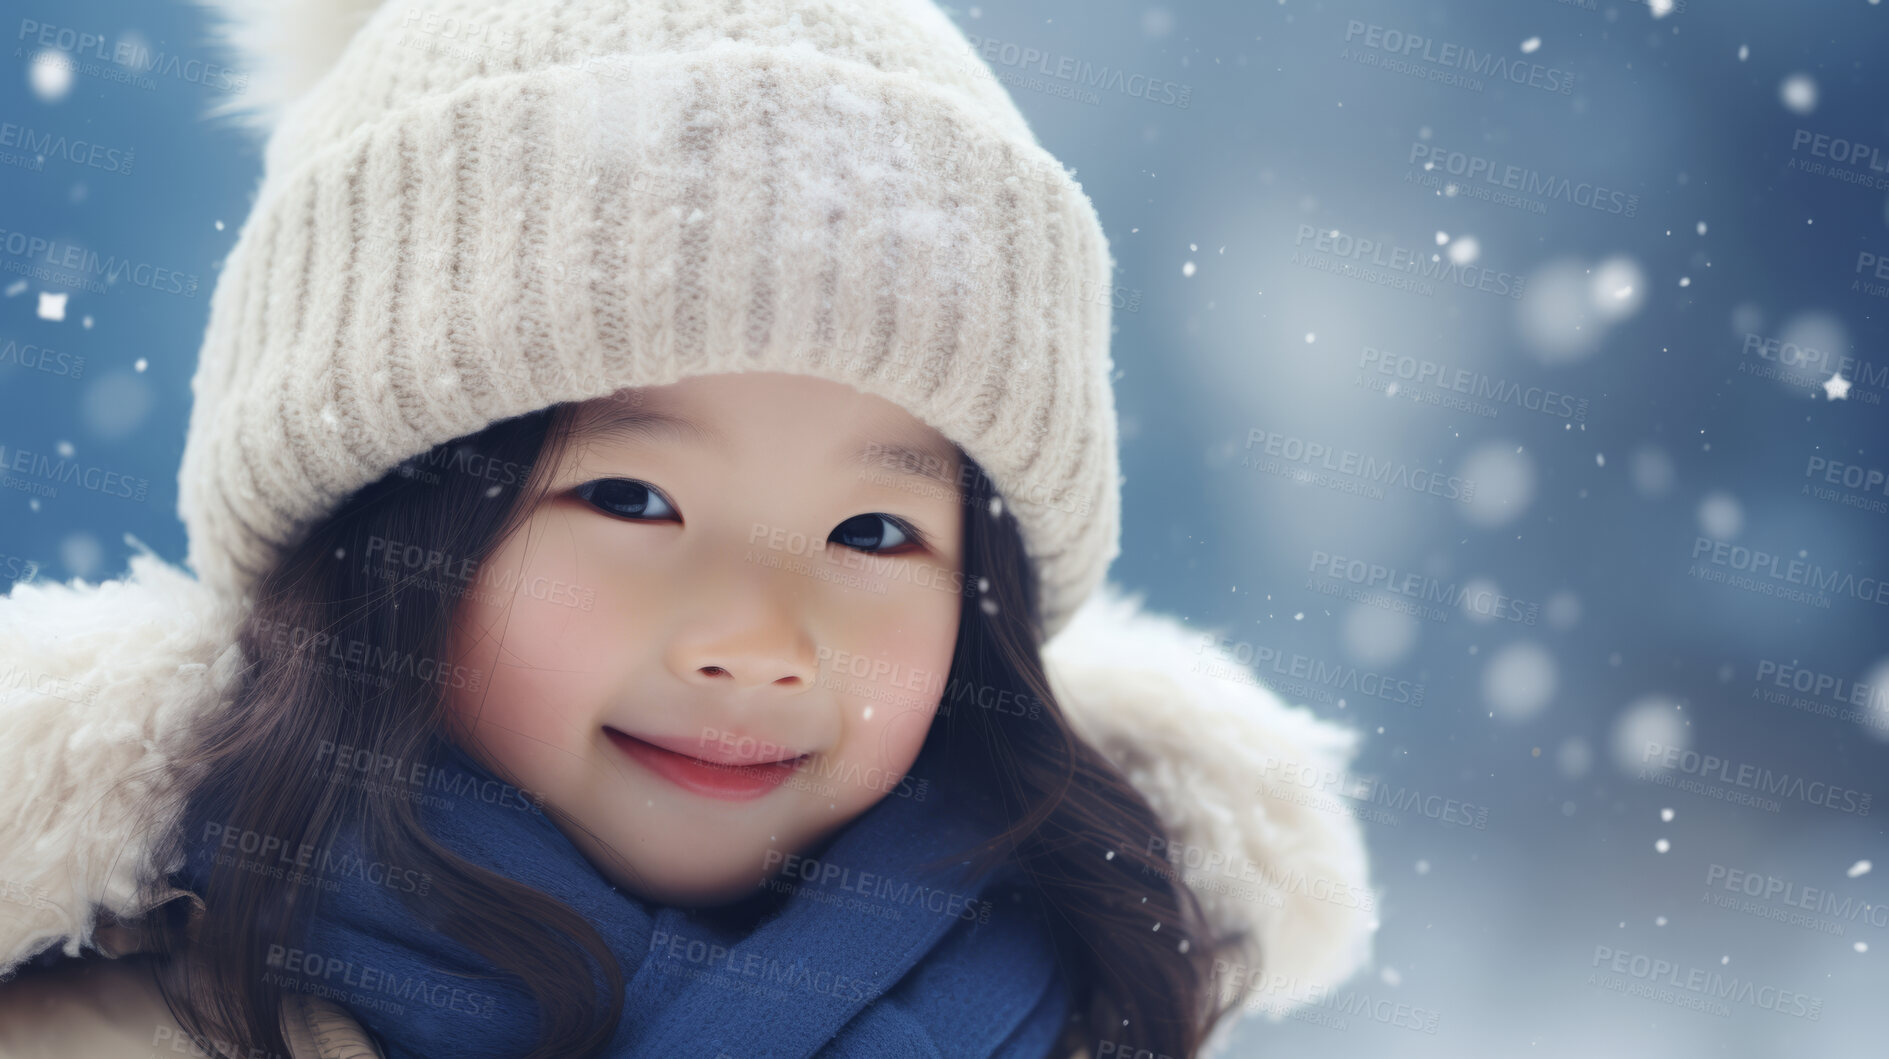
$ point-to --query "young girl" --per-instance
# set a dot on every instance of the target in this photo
(650, 487)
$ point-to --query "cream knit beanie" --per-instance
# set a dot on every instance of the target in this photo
(472, 210)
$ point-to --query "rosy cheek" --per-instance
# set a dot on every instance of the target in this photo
(903, 735)
(520, 624)
(889, 716)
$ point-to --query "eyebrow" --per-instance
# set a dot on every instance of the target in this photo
(645, 424)
(648, 424)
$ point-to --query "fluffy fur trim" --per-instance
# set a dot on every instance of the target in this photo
(98, 683)
(283, 46)
(1218, 757)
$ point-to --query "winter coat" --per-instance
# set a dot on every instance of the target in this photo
(92, 689)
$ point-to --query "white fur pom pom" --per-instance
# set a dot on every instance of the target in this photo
(1292, 874)
(98, 683)
(282, 47)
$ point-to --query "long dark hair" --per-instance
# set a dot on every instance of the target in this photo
(1078, 828)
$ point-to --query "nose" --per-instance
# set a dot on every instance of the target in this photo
(745, 639)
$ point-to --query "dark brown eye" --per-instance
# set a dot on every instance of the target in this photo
(626, 498)
(870, 533)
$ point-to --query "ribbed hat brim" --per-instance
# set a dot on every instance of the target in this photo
(560, 234)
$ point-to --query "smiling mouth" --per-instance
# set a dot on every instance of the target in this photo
(708, 778)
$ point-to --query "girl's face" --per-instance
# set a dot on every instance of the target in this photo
(724, 632)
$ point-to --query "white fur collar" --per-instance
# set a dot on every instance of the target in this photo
(100, 681)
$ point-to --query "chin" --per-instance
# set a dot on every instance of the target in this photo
(670, 869)
(693, 889)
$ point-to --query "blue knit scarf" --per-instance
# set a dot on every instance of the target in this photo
(853, 952)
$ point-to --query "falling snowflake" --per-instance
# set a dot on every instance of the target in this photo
(1799, 93)
(50, 75)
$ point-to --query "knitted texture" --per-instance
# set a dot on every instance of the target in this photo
(485, 208)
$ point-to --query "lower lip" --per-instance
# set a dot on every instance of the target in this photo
(734, 783)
